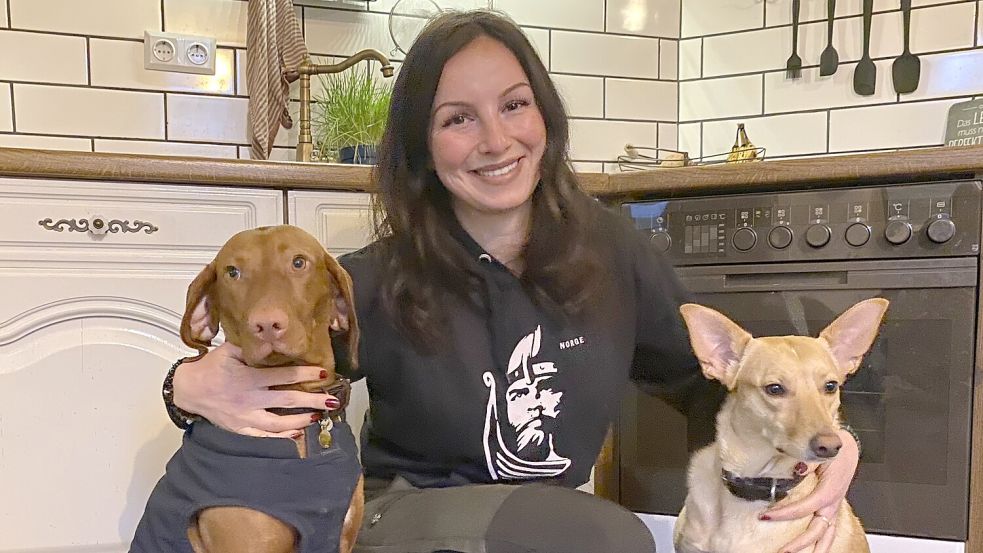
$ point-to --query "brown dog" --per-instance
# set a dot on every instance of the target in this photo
(777, 425)
(278, 295)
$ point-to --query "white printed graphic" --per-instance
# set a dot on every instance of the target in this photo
(532, 407)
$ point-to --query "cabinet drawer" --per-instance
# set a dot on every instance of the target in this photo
(56, 220)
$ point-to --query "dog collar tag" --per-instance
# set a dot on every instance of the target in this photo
(324, 438)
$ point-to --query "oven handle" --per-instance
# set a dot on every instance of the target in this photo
(850, 275)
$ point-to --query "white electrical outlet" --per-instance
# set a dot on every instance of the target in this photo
(180, 53)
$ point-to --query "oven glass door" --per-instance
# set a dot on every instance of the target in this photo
(910, 401)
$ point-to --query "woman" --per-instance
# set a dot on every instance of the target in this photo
(502, 312)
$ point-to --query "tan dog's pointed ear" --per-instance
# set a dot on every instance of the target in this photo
(343, 317)
(717, 342)
(200, 322)
(852, 333)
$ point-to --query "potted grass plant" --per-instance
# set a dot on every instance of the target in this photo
(349, 116)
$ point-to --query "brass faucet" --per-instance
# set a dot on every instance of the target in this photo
(305, 142)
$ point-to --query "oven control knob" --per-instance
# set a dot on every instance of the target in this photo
(857, 234)
(780, 237)
(897, 232)
(744, 239)
(818, 236)
(941, 231)
(661, 241)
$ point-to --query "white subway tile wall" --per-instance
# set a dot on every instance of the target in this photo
(198, 118)
(53, 59)
(165, 148)
(582, 96)
(114, 18)
(224, 20)
(604, 55)
(643, 100)
(595, 139)
(668, 135)
(669, 60)
(39, 142)
(638, 17)
(708, 17)
(584, 15)
(720, 98)
(691, 58)
(92, 112)
(6, 108)
(816, 115)
(85, 88)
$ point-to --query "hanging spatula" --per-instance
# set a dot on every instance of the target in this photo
(829, 59)
(793, 67)
(865, 75)
(907, 68)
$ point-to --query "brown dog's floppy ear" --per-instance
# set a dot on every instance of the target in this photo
(852, 333)
(200, 322)
(343, 317)
(717, 342)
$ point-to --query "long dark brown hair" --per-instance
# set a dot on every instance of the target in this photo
(413, 212)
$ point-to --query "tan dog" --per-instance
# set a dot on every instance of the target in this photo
(780, 419)
(276, 293)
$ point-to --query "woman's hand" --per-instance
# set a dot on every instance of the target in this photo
(234, 396)
(824, 502)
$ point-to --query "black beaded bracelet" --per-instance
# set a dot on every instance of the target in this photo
(856, 437)
(181, 418)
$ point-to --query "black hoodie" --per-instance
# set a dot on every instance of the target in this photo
(518, 393)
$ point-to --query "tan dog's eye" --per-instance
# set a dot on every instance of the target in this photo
(776, 390)
(299, 262)
(233, 272)
(831, 387)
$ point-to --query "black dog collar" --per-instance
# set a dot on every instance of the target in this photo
(759, 489)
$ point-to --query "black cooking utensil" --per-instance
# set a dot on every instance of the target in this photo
(793, 67)
(865, 75)
(829, 59)
(907, 68)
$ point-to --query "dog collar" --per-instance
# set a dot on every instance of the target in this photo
(760, 488)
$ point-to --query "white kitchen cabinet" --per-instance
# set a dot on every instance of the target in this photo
(342, 221)
(89, 324)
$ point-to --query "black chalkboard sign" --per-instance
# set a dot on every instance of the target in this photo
(965, 126)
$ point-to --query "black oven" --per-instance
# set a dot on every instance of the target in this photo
(784, 263)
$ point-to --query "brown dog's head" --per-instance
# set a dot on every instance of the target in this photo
(277, 294)
(786, 388)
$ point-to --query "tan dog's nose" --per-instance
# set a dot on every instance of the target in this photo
(268, 324)
(825, 445)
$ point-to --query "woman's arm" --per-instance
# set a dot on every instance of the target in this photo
(232, 395)
(825, 501)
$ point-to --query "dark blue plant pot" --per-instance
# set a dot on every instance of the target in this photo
(363, 154)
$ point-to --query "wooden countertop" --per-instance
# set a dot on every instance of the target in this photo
(16, 162)
(791, 174)
(830, 171)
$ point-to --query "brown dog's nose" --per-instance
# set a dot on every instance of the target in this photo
(269, 324)
(825, 445)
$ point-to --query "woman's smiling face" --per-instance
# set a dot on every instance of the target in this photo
(487, 135)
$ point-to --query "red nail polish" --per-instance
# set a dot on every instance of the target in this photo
(764, 517)
(297, 435)
(315, 417)
(332, 403)
(324, 374)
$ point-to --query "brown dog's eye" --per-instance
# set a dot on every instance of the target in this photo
(299, 262)
(831, 387)
(775, 390)
(233, 272)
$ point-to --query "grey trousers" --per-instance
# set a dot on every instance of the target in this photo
(497, 518)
